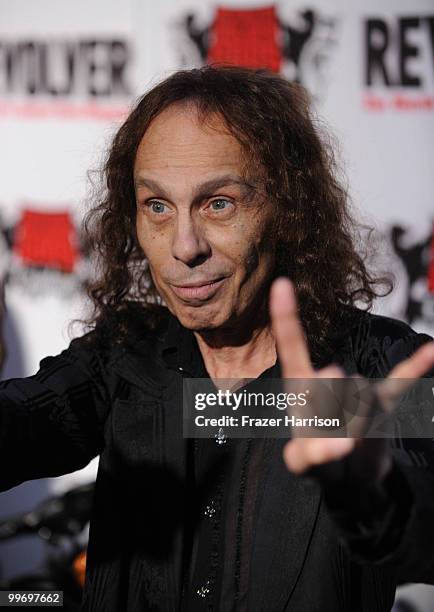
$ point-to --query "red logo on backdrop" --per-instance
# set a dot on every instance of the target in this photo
(46, 239)
(417, 259)
(431, 267)
(246, 38)
(298, 47)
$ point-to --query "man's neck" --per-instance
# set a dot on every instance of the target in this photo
(239, 359)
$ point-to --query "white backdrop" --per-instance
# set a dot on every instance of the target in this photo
(70, 71)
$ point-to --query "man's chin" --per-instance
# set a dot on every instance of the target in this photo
(200, 319)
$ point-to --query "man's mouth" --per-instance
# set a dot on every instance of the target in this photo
(202, 290)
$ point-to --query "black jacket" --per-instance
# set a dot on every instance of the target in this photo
(124, 402)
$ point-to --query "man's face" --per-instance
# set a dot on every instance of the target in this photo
(200, 222)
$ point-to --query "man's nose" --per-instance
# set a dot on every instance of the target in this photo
(189, 241)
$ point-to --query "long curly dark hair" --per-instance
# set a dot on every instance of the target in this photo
(316, 233)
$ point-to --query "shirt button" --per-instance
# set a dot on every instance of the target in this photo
(204, 590)
(210, 509)
(220, 437)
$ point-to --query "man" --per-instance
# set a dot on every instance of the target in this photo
(216, 185)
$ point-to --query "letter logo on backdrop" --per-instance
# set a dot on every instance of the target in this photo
(68, 78)
(399, 63)
(398, 77)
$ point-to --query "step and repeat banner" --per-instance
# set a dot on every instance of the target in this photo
(69, 72)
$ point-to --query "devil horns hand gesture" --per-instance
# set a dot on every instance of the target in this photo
(339, 464)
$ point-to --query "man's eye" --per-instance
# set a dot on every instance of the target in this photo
(157, 207)
(220, 204)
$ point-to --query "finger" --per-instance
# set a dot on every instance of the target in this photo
(288, 332)
(322, 401)
(301, 454)
(404, 375)
(331, 371)
(416, 365)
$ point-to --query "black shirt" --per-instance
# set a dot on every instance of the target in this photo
(275, 546)
(224, 480)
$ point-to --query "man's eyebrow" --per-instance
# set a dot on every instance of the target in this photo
(151, 185)
(204, 190)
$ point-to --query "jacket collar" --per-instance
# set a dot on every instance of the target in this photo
(179, 350)
(175, 347)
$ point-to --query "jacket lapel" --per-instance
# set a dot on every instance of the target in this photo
(286, 515)
(162, 392)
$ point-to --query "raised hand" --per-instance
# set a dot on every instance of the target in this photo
(303, 454)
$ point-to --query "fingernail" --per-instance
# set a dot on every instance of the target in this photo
(283, 299)
(342, 446)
